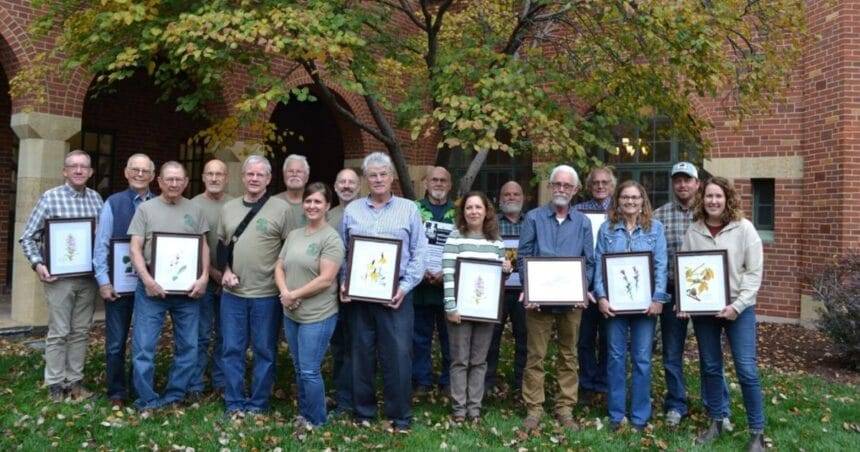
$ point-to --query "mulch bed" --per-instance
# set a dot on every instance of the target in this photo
(793, 348)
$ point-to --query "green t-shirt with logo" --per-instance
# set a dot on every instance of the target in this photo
(256, 251)
(295, 213)
(156, 215)
(212, 212)
(301, 255)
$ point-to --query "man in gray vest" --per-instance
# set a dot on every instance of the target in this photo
(113, 224)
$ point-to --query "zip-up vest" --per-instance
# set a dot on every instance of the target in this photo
(122, 207)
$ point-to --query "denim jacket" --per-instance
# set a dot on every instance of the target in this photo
(613, 238)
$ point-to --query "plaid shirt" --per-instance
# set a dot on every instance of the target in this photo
(58, 202)
(675, 221)
(593, 204)
(508, 228)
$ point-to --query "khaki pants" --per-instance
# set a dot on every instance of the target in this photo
(470, 342)
(539, 327)
(71, 303)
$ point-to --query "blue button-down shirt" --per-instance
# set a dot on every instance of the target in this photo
(104, 230)
(614, 238)
(398, 218)
(543, 235)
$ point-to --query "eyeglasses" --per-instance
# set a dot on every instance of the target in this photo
(139, 171)
(562, 186)
(630, 198)
(172, 180)
(298, 172)
(77, 167)
(600, 182)
(372, 176)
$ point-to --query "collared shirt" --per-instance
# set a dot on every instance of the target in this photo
(543, 235)
(398, 218)
(614, 238)
(593, 204)
(104, 230)
(58, 202)
(676, 220)
(508, 228)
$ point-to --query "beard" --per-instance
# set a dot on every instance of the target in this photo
(560, 201)
(438, 194)
(346, 195)
(511, 208)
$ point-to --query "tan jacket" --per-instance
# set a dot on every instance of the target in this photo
(746, 259)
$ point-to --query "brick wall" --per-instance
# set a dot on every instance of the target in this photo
(7, 186)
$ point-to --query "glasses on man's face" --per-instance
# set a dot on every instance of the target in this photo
(562, 186)
(599, 182)
(139, 171)
(173, 180)
(377, 176)
(297, 172)
(77, 167)
(630, 198)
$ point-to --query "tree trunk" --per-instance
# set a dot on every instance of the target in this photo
(471, 173)
(393, 146)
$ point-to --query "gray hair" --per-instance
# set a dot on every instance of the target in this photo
(377, 159)
(606, 169)
(255, 159)
(297, 158)
(172, 164)
(77, 152)
(140, 155)
(567, 169)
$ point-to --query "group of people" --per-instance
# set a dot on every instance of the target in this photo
(273, 262)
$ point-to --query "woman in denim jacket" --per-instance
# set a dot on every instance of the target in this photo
(630, 228)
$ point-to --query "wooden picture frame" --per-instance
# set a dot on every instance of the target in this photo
(597, 218)
(629, 281)
(123, 276)
(555, 281)
(373, 268)
(69, 246)
(512, 244)
(173, 255)
(702, 282)
(479, 289)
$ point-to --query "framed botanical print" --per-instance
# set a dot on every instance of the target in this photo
(69, 246)
(555, 281)
(629, 281)
(702, 282)
(373, 268)
(597, 218)
(122, 274)
(478, 289)
(177, 261)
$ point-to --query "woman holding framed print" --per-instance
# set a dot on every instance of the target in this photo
(630, 229)
(719, 224)
(306, 275)
(476, 236)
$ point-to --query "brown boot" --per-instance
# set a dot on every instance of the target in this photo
(56, 393)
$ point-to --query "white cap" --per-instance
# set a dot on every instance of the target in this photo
(685, 168)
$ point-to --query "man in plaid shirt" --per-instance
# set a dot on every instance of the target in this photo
(71, 301)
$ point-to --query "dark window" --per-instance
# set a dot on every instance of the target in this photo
(191, 156)
(499, 168)
(99, 145)
(763, 204)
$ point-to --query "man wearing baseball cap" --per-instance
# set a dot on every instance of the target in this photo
(676, 216)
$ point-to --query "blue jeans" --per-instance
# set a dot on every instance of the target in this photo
(117, 322)
(377, 328)
(149, 315)
(308, 343)
(514, 310)
(591, 348)
(210, 307)
(742, 340)
(674, 335)
(639, 329)
(341, 354)
(427, 319)
(245, 320)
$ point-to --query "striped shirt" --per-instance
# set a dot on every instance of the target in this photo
(58, 202)
(398, 218)
(472, 245)
(676, 220)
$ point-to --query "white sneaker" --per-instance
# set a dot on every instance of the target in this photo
(727, 425)
(673, 418)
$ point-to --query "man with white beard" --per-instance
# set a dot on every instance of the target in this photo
(510, 221)
(554, 230)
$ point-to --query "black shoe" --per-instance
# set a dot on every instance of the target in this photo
(193, 397)
(56, 393)
(756, 443)
(420, 390)
(714, 430)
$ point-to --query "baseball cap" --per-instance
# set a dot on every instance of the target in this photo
(685, 168)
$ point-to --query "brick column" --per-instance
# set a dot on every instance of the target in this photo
(41, 152)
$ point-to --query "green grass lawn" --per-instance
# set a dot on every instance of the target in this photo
(803, 413)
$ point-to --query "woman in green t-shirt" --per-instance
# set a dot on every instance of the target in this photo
(306, 273)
